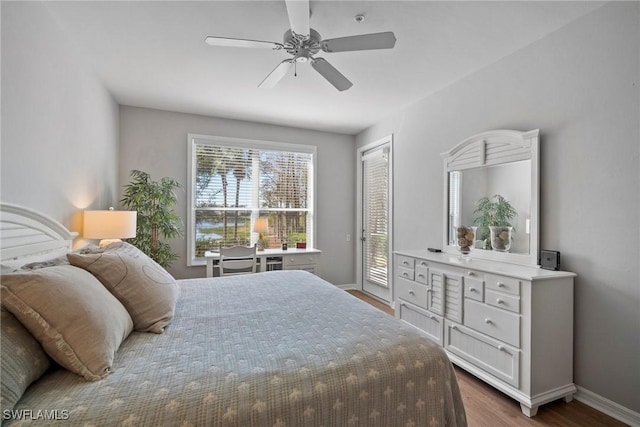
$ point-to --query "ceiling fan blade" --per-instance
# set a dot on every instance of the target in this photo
(332, 75)
(385, 40)
(231, 42)
(298, 11)
(276, 75)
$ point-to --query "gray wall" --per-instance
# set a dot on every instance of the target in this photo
(59, 125)
(156, 141)
(580, 86)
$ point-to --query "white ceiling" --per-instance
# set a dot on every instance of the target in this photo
(152, 54)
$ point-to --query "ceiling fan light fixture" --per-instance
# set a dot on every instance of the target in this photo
(303, 42)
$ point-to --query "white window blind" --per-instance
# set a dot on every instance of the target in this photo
(376, 224)
(234, 182)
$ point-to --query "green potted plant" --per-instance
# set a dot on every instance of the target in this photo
(157, 219)
(494, 212)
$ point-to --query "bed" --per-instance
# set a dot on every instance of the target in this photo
(279, 348)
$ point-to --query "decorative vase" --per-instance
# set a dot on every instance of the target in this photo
(500, 238)
(466, 237)
(260, 243)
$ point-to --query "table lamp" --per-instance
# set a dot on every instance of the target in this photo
(109, 226)
(261, 226)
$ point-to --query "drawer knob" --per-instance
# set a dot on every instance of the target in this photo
(424, 264)
(488, 321)
(500, 301)
(500, 285)
(501, 348)
(470, 273)
(405, 274)
(420, 275)
(411, 292)
(473, 290)
(405, 262)
(454, 327)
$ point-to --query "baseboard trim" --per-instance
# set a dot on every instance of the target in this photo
(608, 407)
(348, 287)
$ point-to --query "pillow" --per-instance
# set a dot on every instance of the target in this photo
(146, 290)
(75, 319)
(14, 265)
(61, 260)
(22, 362)
(49, 259)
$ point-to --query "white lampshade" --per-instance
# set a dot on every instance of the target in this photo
(261, 225)
(109, 224)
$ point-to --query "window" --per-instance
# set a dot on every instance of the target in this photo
(234, 182)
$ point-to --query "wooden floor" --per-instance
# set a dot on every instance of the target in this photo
(486, 406)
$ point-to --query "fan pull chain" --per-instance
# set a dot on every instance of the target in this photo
(295, 68)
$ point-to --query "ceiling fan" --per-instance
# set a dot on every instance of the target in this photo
(303, 43)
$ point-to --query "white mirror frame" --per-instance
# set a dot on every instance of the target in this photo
(492, 148)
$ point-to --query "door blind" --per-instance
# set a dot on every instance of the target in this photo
(376, 222)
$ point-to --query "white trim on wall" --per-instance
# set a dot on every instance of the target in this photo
(607, 406)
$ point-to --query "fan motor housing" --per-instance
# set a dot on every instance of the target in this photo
(300, 47)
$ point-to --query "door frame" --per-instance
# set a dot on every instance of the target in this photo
(359, 264)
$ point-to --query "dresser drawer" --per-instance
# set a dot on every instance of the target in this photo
(421, 274)
(299, 259)
(472, 274)
(422, 263)
(505, 301)
(405, 273)
(493, 357)
(502, 284)
(412, 292)
(474, 289)
(429, 323)
(405, 261)
(499, 324)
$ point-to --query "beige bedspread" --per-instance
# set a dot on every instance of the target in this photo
(269, 349)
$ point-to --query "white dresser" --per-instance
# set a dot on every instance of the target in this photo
(509, 325)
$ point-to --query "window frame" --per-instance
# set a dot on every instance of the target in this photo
(262, 145)
(454, 218)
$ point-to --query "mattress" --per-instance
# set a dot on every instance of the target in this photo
(269, 349)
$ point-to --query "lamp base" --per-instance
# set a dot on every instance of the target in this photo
(260, 244)
(106, 242)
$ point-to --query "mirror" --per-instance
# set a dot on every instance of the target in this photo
(494, 165)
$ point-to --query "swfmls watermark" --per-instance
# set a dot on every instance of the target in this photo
(36, 415)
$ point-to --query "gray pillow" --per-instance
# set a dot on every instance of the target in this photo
(15, 265)
(62, 260)
(146, 290)
(49, 259)
(22, 362)
(76, 320)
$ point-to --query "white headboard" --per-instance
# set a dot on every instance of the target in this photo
(24, 231)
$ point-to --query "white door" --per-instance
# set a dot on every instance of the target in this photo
(375, 221)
